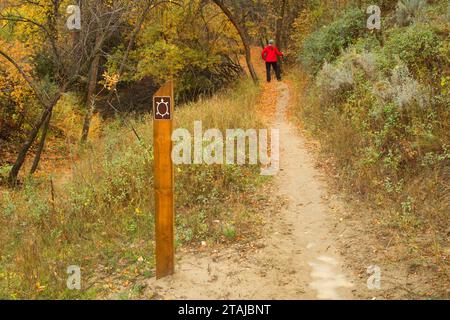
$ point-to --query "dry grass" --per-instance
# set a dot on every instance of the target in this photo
(100, 215)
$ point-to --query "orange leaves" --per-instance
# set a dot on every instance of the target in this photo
(19, 53)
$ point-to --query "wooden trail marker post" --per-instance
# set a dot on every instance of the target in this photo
(163, 107)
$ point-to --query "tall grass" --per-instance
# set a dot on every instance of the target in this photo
(101, 216)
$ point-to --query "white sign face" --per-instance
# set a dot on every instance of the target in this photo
(74, 20)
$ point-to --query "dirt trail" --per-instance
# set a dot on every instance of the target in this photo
(297, 259)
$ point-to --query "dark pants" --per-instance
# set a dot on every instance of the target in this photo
(274, 65)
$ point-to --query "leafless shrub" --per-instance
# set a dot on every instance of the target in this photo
(333, 79)
(402, 89)
(366, 60)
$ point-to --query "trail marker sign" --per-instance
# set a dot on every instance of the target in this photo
(163, 106)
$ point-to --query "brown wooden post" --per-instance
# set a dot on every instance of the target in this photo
(163, 107)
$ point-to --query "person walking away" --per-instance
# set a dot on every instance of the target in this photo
(270, 55)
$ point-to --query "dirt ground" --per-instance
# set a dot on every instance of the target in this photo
(316, 244)
(298, 258)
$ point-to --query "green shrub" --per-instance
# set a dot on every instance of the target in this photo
(419, 46)
(4, 171)
(328, 42)
(369, 43)
(381, 113)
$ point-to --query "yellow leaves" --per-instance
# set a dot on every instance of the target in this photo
(110, 286)
(162, 60)
(29, 33)
(39, 287)
(445, 84)
(66, 117)
(110, 80)
(20, 53)
(14, 90)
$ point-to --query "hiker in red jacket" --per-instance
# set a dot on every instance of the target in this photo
(270, 55)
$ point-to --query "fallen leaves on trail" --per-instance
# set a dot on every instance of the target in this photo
(267, 103)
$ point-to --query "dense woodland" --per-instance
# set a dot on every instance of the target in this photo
(377, 100)
(125, 50)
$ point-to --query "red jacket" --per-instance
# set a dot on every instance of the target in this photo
(271, 54)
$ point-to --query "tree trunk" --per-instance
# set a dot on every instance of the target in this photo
(243, 35)
(48, 105)
(28, 143)
(133, 37)
(279, 25)
(279, 31)
(37, 157)
(131, 42)
(92, 85)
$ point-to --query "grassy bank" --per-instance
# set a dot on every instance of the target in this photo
(378, 103)
(101, 216)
